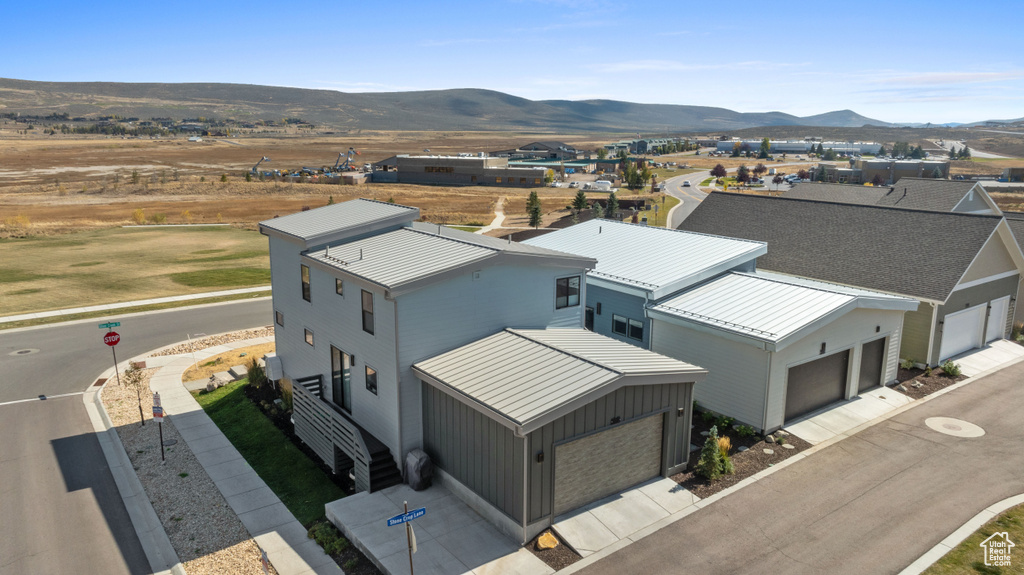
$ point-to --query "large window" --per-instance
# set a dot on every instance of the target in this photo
(567, 292)
(341, 378)
(309, 337)
(636, 329)
(305, 283)
(371, 380)
(367, 312)
(619, 324)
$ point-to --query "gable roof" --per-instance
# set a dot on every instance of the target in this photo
(338, 221)
(655, 261)
(916, 253)
(1015, 220)
(400, 260)
(908, 193)
(768, 309)
(526, 378)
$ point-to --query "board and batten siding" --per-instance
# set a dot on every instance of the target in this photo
(629, 404)
(618, 303)
(737, 372)
(469, 307)
(849, 332)
(917, 327)
(476, 450)
(962, 299)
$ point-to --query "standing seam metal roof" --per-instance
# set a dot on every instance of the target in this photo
(339, 217)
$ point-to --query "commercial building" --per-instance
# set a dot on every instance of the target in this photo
(799, 146)
(465, 171)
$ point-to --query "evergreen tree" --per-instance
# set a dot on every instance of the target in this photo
(821, 149)
(766, 148)
(579, 202)
(742, 174)
(937, 173)
(965, 153)
(532, 200)
(952, 153)
(602, 153)
(535, 215)
(613, 206)
(881, 151)
(709, 466)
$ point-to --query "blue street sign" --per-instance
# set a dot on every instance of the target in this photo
(400, 519)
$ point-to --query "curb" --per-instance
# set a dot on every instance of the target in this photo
(665, 522)
(152, 536)
(960, 535)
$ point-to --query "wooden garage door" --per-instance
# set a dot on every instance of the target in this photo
(962, 331)
(605, 463)
(817, 383)
(871, 358)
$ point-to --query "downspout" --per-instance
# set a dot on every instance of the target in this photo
(526, 486)
(398, 390)
(767, 390)
(931, 334)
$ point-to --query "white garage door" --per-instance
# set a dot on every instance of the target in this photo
(961, 331)
(605, 463)
(997, 319)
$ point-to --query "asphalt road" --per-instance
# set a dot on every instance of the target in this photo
(60, 511)
(872, 503)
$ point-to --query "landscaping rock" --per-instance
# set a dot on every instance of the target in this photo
(788, 446)
(769, 451)
(547, 541)
(916, 385)
(781, 433)
(742, 448)
(705, 433)
(694, 448)
(769, 438)
(902, 387)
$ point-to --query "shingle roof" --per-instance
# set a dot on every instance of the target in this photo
(915, 253)
(655, 260)
(526, 378)
(333, 221)
(771, 308)
(909, 193)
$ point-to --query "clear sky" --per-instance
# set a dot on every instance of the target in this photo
(910, 61)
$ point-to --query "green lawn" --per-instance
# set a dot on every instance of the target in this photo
(301, 485)
(969, 557)
(663, 210)
(126, 264)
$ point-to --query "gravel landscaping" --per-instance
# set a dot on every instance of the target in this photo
(558, 557)
(915, 384)
(211, 341)
(203, 529)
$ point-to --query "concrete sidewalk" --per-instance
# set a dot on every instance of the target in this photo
(842, 417)
(991, 356)
(127, 304)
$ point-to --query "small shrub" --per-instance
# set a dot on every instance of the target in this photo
(351, 564)
(223, 177)
(707, 416)
(724, 422)
(928, 371)
(202, 178)
(951, 369)
(186, 216)
(327, 536)
(135, 176)
(709, 466)
(139, 216)
(257, 375)
(286, 394)
(907, 363)
(724, 445)
(745, 431)
(158, 218)
(248, 177)
(183, 475)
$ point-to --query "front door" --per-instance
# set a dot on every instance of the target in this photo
(341, 379)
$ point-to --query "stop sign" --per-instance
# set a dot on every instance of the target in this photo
(111, 338)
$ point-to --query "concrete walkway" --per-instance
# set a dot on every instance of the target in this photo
(451, 537)
(262, 513)
(839, 418)
(989, 357)
(122, 305)
(499, 217)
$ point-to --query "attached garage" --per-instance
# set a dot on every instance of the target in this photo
(815, 384)
(872, 364)
(637, 446)
(530, 424)
(962, 331)
(998, 317)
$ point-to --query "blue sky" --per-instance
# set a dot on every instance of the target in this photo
(910, 61)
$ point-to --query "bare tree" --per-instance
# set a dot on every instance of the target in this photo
(134, 379)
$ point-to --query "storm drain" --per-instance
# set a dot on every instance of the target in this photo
(954, 427)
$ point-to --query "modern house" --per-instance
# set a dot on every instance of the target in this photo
(400, 335)
(963, 268)
(776, 347)
(964, 197)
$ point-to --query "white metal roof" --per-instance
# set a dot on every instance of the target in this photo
(527, 378)
(658, 261)
(771, 308)
(331, 222)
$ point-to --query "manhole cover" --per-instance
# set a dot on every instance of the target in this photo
(24, 352)
(954, 427)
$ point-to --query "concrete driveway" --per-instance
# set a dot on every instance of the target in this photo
(872, 503)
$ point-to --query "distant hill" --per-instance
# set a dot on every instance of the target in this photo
(458, 109)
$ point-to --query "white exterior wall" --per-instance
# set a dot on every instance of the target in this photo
(850, 331)
(444, 316)
(737, 372)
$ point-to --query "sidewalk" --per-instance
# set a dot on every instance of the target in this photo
(122, 305)
(270, 523)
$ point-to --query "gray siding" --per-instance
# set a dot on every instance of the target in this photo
(451, 314)
(618, 303)
(963, 299)
(974, 204)
(477, 451)
(917, 327)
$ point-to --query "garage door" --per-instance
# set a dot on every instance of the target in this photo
(817, 383)
(961, 331)
(605, 463)
(997, 316)
(871, 365)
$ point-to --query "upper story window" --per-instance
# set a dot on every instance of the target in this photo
(371, 380)
(279, 318)
(567, 292)
(636, 329)
(339, 286)
(619, 324)
(368, 312)
(305, 283)
(309, 336)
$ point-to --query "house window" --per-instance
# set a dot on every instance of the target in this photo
(620, 325)
(371, 380)
(536, 181)
(472, 178)
(511, 180)
(279, 318)
(305, 283)
(497, 180)
(567, 292)
(309, 337)
(588, 319)
(339, 286)
(368, 312)
(636, 329)
(341, 378)
(522, 180)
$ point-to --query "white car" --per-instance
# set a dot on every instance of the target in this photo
(686, 183)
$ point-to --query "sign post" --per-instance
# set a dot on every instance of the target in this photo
(410, 536)
(111, 338)
(158, 417)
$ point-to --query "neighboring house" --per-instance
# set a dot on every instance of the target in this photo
(369, 304)
(909, 193)
(963, 268)
(697, 297)
(1016, 222)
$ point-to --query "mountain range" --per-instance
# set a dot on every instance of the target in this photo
(434, 110)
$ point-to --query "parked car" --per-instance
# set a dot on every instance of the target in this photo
(574, 184)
